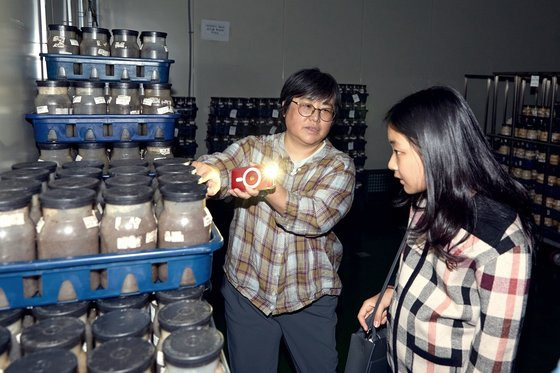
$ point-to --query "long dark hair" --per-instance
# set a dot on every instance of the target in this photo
(458, 162)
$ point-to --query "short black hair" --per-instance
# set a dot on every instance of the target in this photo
(310, 83)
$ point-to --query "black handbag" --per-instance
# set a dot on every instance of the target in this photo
(368, 351)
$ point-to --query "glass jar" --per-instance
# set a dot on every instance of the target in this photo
(125, 44)
(67, 333)
(175, 169)
(95, 42)
(28, 174)
(121, 324)
(128, 223)
(157, 99)
(128, 181)
(164, 298)
(84, 163)
(193, 350)
(55, 152)
(46, 361)
(76, 183)
(153, 45)
(125, 98)
(63, 39)
(78, 310)
(93, 172)
(128, 171)
(16, 228)
(124, 355)
(89, 98)
(140, 302)
(171, 161)
(156, 150)
(184, 313)
(37, 165)
(171, 179)
(32, 187)
(52, 97)
(128, 162)
(124, 150)
(93, 151)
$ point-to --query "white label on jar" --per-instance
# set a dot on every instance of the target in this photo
(165, 48)
(78, 158)
(174, 236)
(10, 220)
(159, 358)
(90, 222)
(154, 336)
(275, 113)
(129, 242)
(208, 217)
(100, 208)
(272, 130)
(123, 100)
(351, 145)
(356, 97)
(176, 132)
(99, 100)
(59, 38)
(74, 42)
(534, 81)
(61, 111)
(77, 99)
(164, 110)
(130, 224)
(40, 224)
(147, 101)
(232, 130)
(64, 52)
(233, 113)
(109, 100)
(134, 112)
(156, 101)
(351, 114)
(103, 52)
(151, 236)
(84, 347)
(42, 109)
(120, 44)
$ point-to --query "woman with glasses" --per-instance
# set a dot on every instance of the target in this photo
(282, 259)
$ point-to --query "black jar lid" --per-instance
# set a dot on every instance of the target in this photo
(171, 161)
(91, 145)
(192, 312)
(88, 84)
(175, 169)
(120, 303)
(157, 86)
(53, 83)
(37, 165)
(52, 146)
(126, 145)
(119, 324)
(123, 355)
(47, 361)
(59, 310)
(128, 195)
(17, 185)
(9, 317)
(75, 183)
(58, 332)
(160, 144)
(67, 198)
(128, 162)
(5, 339)
(178, 179)
(193, 347)
(128, 181)
(98, 30)
(63, 28)
(171, 296)
(124, 85)
(11, 201)
(157, 34)
(183, 192)
(120, 31)
(94, 172)
(84, 163)
(128, 170)
(26, 174)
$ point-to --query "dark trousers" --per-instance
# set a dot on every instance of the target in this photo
(253, 338)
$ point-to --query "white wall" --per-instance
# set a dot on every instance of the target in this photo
(394, 47)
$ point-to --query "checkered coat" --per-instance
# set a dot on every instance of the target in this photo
(466, 319)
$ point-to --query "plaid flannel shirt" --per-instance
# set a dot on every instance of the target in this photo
(283, 262)
(467, 319)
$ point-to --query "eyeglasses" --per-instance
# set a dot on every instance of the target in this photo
(307, 110)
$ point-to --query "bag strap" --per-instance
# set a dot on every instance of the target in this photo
(369, 320)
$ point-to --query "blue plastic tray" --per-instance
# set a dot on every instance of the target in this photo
(102, 128)
(74, 67)
(53, 272)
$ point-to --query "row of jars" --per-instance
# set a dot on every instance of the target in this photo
(138, 333)
(353, 93)
(96, 41)
(242, 127)
(238, 107)
(88, 97)
(534, 128)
